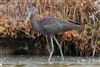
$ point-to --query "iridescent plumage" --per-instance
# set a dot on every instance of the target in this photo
(51, 25)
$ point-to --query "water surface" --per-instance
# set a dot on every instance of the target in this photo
(41, 61)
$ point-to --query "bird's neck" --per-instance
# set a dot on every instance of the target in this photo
(34, 22)
(35, 25)
(31, 17)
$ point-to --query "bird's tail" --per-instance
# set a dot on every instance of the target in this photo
(71, 25)
(75, 22)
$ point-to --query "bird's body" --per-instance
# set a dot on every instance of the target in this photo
(51, 26)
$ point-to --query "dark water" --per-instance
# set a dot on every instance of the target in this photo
(37, 61)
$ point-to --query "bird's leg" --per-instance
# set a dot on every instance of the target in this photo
(60, 48)
(52, 49)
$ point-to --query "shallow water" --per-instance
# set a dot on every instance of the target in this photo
(36, 61)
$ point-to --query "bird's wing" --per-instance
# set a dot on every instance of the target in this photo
(61, 26)
(54, 27)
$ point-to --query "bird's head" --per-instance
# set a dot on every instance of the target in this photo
(31, 11)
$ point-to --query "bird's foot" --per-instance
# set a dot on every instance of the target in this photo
(62, 59)
(49, 62)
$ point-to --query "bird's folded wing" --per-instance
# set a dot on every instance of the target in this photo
(55, 27)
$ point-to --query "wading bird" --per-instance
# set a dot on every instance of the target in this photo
(51, 26)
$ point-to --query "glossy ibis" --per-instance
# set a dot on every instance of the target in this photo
(51, 26)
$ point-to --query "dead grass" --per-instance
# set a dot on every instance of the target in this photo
(13, 14)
